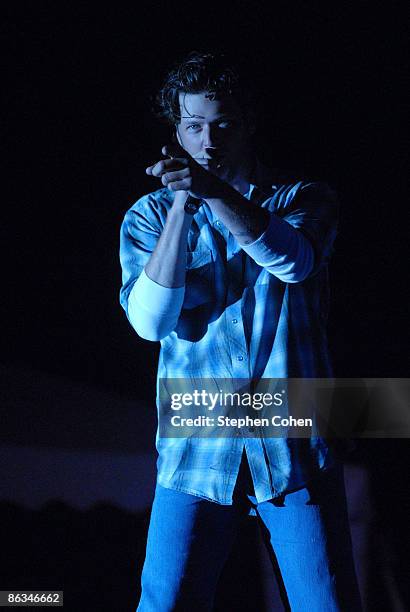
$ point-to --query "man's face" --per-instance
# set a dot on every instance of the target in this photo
(214, 132)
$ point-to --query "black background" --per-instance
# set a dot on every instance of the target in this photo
(79, 134)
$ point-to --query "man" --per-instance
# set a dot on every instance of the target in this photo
(227, 268)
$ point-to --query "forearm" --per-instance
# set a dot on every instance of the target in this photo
(272, 242)
(167, 263)
(155, 301)
(244, 220)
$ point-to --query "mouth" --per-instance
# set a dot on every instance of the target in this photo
(212, 162)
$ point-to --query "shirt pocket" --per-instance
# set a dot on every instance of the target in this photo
(197, 258)
(200, 277)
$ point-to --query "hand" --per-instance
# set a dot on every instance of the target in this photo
(185, 173)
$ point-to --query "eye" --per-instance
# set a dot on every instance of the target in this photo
(193, 127)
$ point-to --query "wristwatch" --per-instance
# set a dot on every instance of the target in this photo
(192, 205)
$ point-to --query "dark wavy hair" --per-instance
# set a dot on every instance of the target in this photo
(203, 72)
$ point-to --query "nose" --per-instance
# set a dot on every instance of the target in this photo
(208, 137)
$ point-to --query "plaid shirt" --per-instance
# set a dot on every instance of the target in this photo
(241, 320)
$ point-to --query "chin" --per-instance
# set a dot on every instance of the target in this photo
(226, 172)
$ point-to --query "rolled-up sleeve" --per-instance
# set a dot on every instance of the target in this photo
(299, 238)
(153, 310)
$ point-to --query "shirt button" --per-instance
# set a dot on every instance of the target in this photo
(234, 321)
(240, 357)
(218, 223)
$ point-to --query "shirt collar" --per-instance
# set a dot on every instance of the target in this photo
(261, 181)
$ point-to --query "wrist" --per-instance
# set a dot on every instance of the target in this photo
(179, 201)
(178, 215)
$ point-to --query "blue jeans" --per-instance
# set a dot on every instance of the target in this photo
(189, 541)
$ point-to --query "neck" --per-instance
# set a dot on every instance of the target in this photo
(241, 179)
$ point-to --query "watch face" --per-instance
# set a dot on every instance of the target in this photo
(192, 205)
